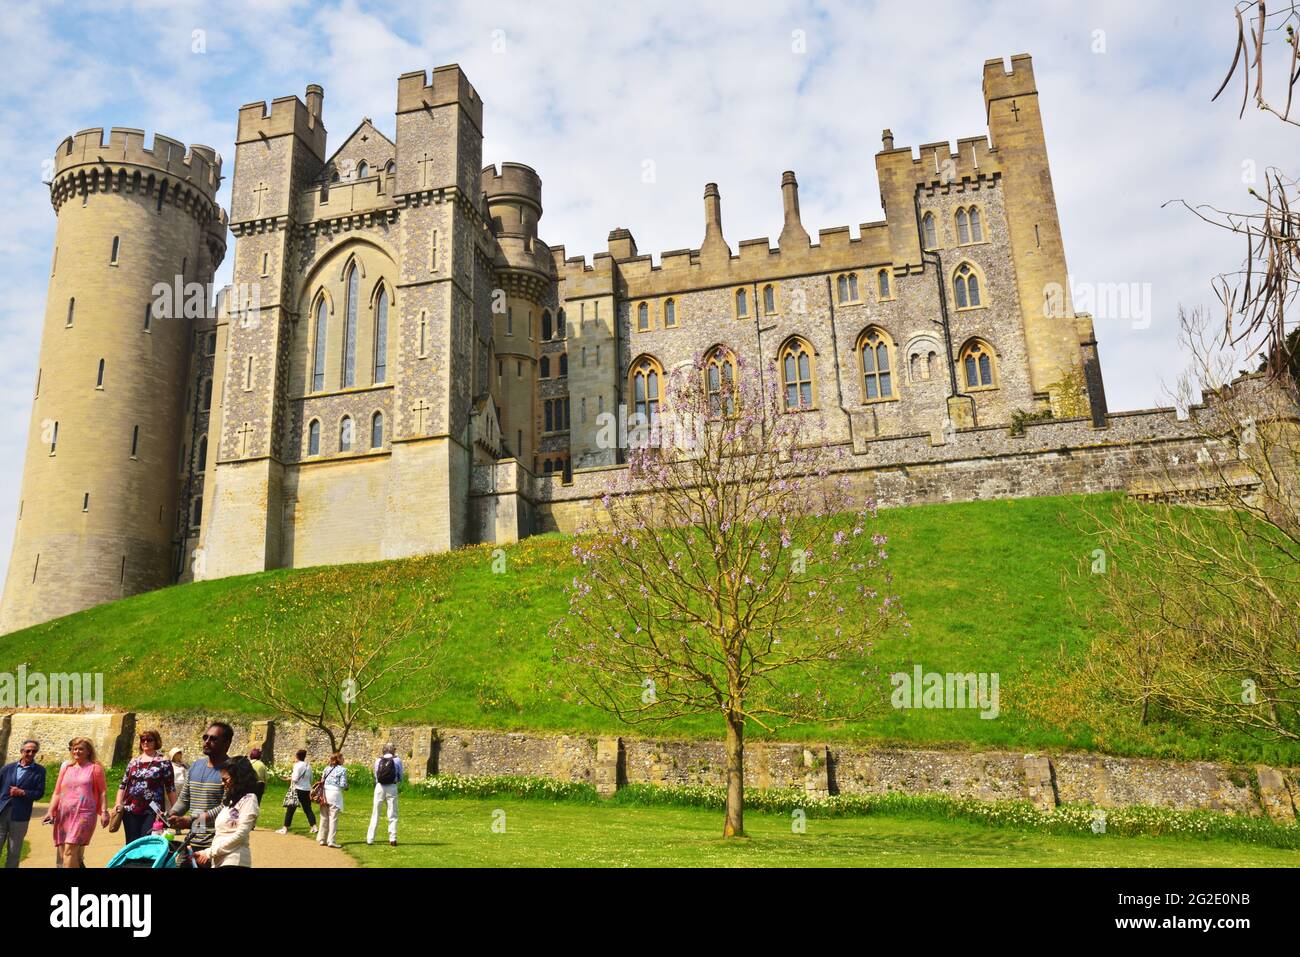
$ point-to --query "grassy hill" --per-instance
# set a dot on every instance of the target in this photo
(987, 587)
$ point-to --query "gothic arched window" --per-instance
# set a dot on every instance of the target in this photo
(345, 434)
(313, 437)
(645, 377)
(720, 381)
(559, 323)
(797, 374)
(546, 324)
(882, 283)
(318, 359)
(377, 430)
(350, 331)
(966, 286)
(670, 313)
(564, 363)
(642, 317)
(742, 304)
(929, 236)
(545, 367)
(977, 365)
(381, 336)
(877, 371)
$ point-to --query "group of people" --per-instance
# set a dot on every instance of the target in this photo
(217, 798)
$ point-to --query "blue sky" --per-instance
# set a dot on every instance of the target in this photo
(730, 92)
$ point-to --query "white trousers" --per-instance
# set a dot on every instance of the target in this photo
(328, 828)
(384, 794)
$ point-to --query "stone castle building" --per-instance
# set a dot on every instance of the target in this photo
(401, 365)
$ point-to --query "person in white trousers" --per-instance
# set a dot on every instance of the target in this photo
(335, 782)
(388, 773)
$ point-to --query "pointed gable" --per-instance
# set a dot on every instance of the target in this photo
(367, 152)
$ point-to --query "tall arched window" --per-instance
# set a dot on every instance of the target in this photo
(559, 323)
(882, 283)
(720, 381)
(642, 317)
(742, 304)
(381, 336)
(797, 374)
(545, 366)
(546, 324)
(877, 371)
(846, 287)
(928, 233)
(313, 437)
(564, 363)
(350, 331)
(769, 299)
(318, 359)
(196, 512)
(362, 169)
(976, 227)
(345, 434)
(963, 227)
(966, 286)
(670, 313)
(645, 377)
(377, 430)
(977, 365)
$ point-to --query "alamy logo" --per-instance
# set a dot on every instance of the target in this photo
(933, 689)
(74, 909)
(82, 691)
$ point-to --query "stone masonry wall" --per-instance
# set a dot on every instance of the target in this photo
(609, 763)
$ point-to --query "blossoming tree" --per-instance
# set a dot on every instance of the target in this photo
(731, 570)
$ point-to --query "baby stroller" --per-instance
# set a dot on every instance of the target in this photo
(155, 851)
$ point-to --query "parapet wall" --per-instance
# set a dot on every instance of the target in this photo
(199, 165)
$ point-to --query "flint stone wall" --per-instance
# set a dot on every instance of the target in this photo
(608, 763)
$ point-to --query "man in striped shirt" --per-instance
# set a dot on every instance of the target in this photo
(200, 797)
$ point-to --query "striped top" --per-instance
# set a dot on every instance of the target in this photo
(201, 792)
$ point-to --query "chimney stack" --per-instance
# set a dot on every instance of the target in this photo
(887, 139)
(793, 234)
(315, 98)
(713, 241)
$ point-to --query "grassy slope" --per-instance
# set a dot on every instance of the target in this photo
(982, 583)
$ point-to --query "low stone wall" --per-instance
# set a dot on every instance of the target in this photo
(609, 763)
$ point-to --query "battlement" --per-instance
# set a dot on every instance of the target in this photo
(939, 163)
(416, 91)
(287, 116)
(199, 165)
(999, 82)
(515, 181)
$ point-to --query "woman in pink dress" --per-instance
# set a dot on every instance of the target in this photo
(79, 798)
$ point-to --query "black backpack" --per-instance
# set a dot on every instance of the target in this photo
(387, 771)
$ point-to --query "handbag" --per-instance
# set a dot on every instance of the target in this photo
(290, 798)
(115, 821)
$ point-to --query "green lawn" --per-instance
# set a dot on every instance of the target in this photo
(982, 583)
(456, 832)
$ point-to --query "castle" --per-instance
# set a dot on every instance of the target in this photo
(402, 366)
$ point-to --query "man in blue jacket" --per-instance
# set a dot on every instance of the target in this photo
(21, 784)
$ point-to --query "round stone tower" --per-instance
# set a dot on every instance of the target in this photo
(526, 270)
(139, 237)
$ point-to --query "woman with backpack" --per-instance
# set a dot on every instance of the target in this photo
(328, 793)
(388, 774)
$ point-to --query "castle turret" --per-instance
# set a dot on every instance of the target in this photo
(139, 237)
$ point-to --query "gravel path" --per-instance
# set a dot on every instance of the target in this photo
(269, 849)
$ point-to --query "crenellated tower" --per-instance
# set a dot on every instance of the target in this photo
(139, 237)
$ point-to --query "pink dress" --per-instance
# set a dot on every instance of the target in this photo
(74, 820)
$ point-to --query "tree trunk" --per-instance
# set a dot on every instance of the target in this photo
(735, 825)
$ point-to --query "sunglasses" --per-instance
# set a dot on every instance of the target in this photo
(29, 750)
(213, 737)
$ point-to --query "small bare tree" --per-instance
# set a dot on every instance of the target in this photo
(1258, 297)
(332, 654)
(729, 573)
(1202, 591)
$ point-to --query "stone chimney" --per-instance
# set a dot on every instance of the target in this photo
(793, 235)
(887, 139)
(315, 98)
(713, 243)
